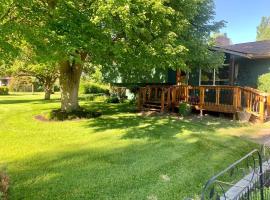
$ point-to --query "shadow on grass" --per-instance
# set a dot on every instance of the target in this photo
(162, 127)
(30, 101)
(130, 172)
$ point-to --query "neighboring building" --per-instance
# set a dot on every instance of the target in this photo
(244, 63)
(4, 81)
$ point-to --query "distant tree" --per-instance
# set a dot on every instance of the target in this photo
(263, 30)
(221, 39)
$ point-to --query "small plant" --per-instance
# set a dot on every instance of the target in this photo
(113, 99)
(184, 109)
(4, 90)
(60, 115)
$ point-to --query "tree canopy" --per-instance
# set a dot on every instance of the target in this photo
(263, 30)
(122, 36)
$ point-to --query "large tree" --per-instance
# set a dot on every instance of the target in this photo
(263, 30)
(120, 35)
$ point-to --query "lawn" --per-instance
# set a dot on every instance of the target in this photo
(121, 155)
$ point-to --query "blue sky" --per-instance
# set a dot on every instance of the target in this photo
(243, 17)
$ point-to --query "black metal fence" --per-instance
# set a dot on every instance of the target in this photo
(246, 179)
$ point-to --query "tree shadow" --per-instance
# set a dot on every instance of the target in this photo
(30, 101)
(161, 127)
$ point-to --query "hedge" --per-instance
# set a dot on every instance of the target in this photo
(94, 88)
(4, 90)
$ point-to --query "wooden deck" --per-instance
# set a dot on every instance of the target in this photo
(223, 99)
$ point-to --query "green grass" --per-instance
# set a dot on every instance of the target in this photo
(121, 155)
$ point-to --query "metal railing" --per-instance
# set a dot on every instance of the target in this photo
(246, 179)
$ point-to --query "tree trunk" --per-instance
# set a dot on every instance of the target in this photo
(47, 94)
(48, 84)
(70, 75)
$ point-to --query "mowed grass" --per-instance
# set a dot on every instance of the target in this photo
(121, 155)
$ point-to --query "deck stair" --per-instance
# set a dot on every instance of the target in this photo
(222, 99)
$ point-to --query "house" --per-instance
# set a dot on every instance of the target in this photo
(4, 81)
(232, 88)
(244, 63)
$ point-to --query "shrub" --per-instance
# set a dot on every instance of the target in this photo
(184, 109)
(113, 99)
(94, 88)
(4, 90)
(264, 82)
(94, 97)
(60, 115)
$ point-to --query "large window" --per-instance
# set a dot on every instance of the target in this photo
(218, 76)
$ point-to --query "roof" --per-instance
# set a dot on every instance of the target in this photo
(252, 50)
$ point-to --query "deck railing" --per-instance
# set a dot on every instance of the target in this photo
(224, 99)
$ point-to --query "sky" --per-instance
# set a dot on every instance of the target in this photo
(242, 16)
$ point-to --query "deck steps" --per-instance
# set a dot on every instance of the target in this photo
(153, 106)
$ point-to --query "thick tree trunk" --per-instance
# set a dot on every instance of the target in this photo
(70, 75)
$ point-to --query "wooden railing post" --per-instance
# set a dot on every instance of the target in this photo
(144, 96)
(173, 91)
(139, 104)
(268, 105)
(156, 93)
(169, 98)
(149, 93)
(262, 108)
(235, 98)
(217, 95)
(239, 97)
(186, 94)
(202, 93)
(162, 100)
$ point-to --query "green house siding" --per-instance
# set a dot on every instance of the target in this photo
(171, 77)
(250, 70)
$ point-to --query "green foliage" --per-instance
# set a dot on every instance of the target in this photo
(263, 30)
(264, 82)
(113, 99)
(94, 88)
(4, 90)
(184, 109)
(127, 38)
(60, 115)
(21, 84)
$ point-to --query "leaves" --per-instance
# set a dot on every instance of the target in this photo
(263, 30)
(130, 35)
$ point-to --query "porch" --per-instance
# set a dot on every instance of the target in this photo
(222, 99)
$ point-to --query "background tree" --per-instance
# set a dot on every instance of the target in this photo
(127, 35)
(263, 30)
(221, 39)
(46, 75)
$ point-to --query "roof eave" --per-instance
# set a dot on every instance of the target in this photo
(232, 52)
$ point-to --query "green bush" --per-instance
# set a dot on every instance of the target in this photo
(113, 99)
(60, 115)
(264, 82)
(94, 88)
(4, 90)
(184, 109)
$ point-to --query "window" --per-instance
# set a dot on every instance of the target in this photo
(218, 76)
